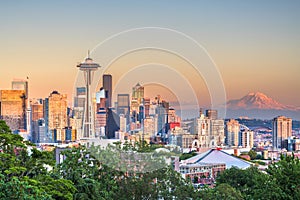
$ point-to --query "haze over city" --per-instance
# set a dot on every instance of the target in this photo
(255, 45)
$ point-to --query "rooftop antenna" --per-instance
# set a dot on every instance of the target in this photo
(88, 53)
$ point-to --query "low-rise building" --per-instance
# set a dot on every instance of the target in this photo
(205, 173)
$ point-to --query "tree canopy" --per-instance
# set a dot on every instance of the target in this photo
(128, 172)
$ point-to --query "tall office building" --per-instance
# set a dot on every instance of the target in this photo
(282, 129)
(124, 106)
(37, 114)
(123, 123)
(217, 136)
(232, 132)
(150, 126)
(40, 129)
(210, 130)
(56, 115)
(172, 117)
(246, 139)
(212, 114)
(79, 99)
(78, 110)
(13, 108)
(100, 119)
(20, 84)
(162, 110)
(147, 107)
(136, 98)
(112, 123)
(107, 86)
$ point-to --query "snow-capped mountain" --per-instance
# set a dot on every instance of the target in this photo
(257, 100)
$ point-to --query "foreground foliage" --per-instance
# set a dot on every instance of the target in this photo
(114, 173)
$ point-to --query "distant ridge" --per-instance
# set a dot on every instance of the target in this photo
(257, 100)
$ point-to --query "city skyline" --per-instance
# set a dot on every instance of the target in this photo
(256, 51)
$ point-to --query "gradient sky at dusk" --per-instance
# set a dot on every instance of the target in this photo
(255, 44)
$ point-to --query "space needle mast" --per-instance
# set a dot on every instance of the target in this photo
(88, 67)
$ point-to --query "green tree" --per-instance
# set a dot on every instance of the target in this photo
(185, 156)
(252, 154)
(26, 172)
(226, 192)
(164, 183)
(251, 183)
(286, 175)
(196, 179)
(92, 179)
(16, 189)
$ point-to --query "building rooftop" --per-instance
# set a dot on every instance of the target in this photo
(218, 156)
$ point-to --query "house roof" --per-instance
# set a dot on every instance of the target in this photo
(218, 156)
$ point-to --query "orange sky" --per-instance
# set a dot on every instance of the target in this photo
(255, 45)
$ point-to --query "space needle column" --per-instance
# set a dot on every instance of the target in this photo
(88, 67)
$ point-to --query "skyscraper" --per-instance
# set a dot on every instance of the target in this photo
(107, 86)
(282, 129)
(232, 132)
(79, 99)
(37, 118)
(12, 108)
(137, 98)
(123, 105)
(162, 110)
(210, 129)
(56, 115)
(147, 106)
(78, 110)
(212, 114)
(246, 139)
(100, 119)
(112, 124)
(19, 84)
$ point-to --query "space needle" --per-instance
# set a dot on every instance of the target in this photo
(88, 67)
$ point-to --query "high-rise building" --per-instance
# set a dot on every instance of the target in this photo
(282, 129)
(162, 110)
(246, 139)
(123, 123)
(13, 108)
(204, 131)
(112, 123)
(56, 114)
(42, 135)
(37, 110)
(232, 132)
(107, 86)
(211, 114)
(123, 106)
(210, 130)
(78, 110)
(147, 106)
(150, 126)
(79, 99)
(100, 120)
(37, 114)
(172, 117)
(137, 97)
(19, 84)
